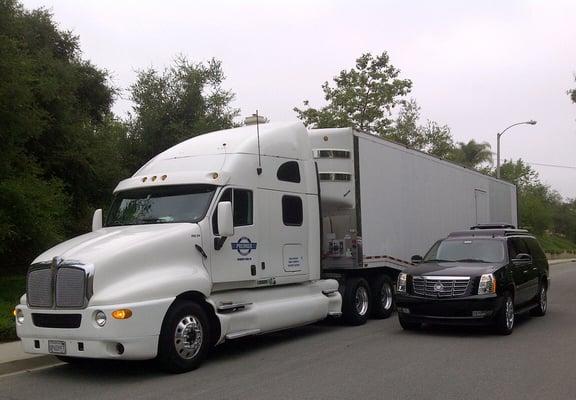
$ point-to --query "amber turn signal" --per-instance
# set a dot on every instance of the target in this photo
(123, 313)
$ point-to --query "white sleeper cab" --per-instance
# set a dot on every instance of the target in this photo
(246, 231)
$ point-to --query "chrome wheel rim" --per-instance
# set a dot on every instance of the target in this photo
(509, 313)
(386, 296)
(188, 337)
(361, 302)
(543, 299)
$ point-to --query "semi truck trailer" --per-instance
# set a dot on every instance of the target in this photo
(246, 231)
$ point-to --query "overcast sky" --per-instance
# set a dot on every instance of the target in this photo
(476, 66)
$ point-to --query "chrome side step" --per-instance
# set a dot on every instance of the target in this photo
(239, 334)
(229, 307)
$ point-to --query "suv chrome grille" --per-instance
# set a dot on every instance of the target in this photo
(57, 286)
(445, 286)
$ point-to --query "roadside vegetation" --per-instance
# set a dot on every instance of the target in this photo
(64, 150)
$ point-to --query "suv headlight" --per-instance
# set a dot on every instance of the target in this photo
(401, 285)
(487, 284)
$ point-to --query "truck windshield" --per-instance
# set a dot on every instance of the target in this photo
(159, 205)
(467, 250)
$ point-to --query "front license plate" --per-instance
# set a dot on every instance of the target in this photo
(56, 347)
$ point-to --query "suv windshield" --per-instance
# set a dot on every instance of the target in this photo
(467, 250)
(161, 204)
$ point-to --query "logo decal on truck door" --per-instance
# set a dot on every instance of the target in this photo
(244, 246)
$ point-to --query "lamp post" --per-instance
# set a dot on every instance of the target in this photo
(531, 122)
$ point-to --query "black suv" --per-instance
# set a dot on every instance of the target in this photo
(483, 276)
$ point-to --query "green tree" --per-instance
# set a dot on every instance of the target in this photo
(518, 173)
(431, 138)
(52, 104)
(181, 102)
(472, 154)
(362, 97)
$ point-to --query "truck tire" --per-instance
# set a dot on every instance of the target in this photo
(504, 322)
(542, 300)
(356, 302)
(382, 297)
(184, 338)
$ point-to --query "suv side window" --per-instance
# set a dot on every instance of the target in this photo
(516, 246)
(534, 248)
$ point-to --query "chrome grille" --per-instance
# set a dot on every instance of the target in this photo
(446, 286)
(59, 284)
(39, 287)
(70, 287)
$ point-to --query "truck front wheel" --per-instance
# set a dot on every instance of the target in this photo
(356, 301)
(184, 339)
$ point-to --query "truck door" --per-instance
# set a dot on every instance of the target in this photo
(234, 259)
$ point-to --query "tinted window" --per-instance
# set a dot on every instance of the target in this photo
(516, 246)
(289, 172)
(466, 250)
(534, 248)
(292, 210)
(242, 207)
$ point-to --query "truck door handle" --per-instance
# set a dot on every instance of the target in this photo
(201, 250)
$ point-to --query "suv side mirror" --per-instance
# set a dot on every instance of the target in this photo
(522, 258)
(97, 220)
(416, 259)
(225, 219)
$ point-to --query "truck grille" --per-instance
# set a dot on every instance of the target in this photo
(431, 286)
(70, 287)
(62, 287)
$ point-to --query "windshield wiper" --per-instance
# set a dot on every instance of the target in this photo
(153, 220)
(472, 260)
(437, 260)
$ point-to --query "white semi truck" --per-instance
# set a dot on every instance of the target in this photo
(246, 231)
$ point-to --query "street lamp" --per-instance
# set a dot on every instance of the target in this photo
(531, 122)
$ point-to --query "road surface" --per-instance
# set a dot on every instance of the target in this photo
(328, 361)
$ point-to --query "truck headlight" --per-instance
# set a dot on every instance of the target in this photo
(487, 284)
(401, 285)
(100, 318)
(19, 316)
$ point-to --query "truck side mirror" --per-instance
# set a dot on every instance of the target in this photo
(416, 259)
(97, 220)
(225, 219)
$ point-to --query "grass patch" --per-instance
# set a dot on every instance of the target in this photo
(11, 288)
(553, 244)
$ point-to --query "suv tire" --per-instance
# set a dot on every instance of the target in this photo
(505, 318)
(542, 301)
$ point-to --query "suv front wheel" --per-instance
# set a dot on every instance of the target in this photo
(504, 322)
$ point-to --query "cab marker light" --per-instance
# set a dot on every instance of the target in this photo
(123, 313)
(164, 177)
(214, 175)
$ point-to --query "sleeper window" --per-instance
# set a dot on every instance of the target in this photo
(289, 172)
(292, 212)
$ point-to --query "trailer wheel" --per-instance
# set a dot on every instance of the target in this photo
(184, 339)
(383, 297)
(356, 301)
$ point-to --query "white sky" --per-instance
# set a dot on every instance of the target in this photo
(476, 66)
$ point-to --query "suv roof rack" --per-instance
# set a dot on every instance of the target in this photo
(490, 232)
(493, 226)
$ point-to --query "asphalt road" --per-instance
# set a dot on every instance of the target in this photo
(327, 361)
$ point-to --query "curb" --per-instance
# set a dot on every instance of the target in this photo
(27, 364)
(563, 261)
